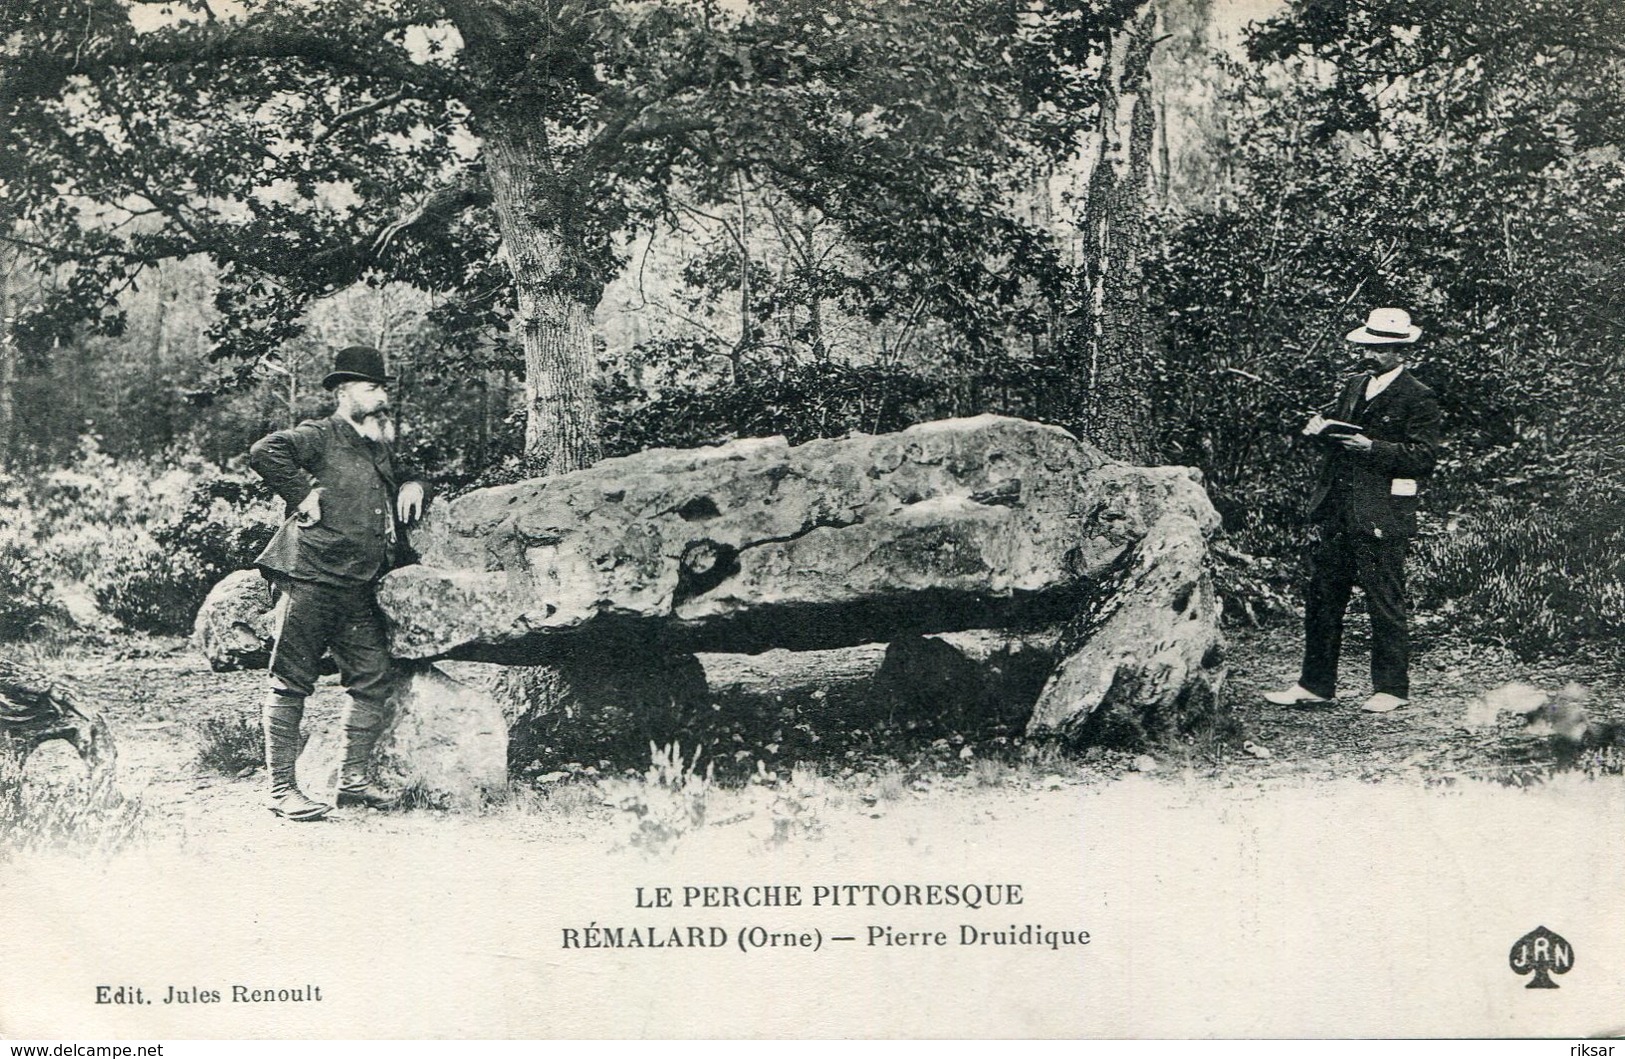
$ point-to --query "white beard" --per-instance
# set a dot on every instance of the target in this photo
(380, 428)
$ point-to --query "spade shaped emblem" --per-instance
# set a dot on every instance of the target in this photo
(1543, 954)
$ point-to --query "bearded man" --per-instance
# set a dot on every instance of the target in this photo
(346, 502)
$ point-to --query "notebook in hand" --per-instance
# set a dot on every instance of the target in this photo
(1329, 428)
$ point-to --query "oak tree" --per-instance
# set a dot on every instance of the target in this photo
(500, 151)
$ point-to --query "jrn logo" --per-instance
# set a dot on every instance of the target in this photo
(1543, 954)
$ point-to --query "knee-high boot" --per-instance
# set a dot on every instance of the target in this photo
(282, 715)
(363, 724)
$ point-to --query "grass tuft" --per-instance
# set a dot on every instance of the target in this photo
(87, 814)
(667, 802)
(230, 745)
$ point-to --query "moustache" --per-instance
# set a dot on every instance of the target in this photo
(378, 428)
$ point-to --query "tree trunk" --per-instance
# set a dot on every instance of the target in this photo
(9, 261)
(746, 326)
(557, 294)
(1110, 324)
(539, 204)
(557, 289)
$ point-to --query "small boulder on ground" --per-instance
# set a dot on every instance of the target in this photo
(446, 742)
(235, 627)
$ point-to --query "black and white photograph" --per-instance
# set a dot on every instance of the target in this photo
(807, 519)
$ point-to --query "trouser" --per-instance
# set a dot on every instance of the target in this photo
(1339, 561)
(343, 620)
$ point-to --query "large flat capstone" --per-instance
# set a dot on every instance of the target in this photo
(958, 524)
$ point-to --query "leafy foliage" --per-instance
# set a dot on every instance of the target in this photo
(306, 149)
(840, 198)
(27, 605)
(799, 401)
(1445, 163)
(1536, 580)
(146, 541)
(221, 523)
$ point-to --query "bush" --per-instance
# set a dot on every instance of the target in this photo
(146, 539)
(157, 583)
(144, 586)
(26, 602)
(1541, 579)
(230, 745)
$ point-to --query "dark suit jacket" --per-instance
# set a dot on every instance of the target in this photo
(355, 541)
(1403, 424)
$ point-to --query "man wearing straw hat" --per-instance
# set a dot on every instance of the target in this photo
(339, 480)
(1381, 445)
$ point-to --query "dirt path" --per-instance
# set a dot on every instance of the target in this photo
(157, 692)
(1218, 886)
(1437, 738)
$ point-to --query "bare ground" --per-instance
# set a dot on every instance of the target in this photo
(157, 693)
(1228, 894)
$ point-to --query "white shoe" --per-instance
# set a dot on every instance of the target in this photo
(1382, 702)
(1296, 695)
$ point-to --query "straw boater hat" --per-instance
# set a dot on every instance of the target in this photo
(357, 364)
(1386, 327)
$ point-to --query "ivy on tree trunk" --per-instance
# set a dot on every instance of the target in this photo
(555, 294)
(1109, 328)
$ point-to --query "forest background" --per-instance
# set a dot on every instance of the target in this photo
(584, 228)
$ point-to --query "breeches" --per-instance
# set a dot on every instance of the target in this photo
(343, 620)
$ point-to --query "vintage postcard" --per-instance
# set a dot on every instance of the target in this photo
(795, 520)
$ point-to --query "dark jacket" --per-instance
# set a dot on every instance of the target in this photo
(1370, 488)
(356, 540)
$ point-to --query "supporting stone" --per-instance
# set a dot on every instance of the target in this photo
(446, 742)
(982, 676)
(632, 692)
(1144, 662)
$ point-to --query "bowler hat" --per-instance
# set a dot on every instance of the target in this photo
(1386, 327)
(357, 363)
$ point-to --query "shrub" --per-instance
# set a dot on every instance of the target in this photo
(229, 745)
(146, 539)
(143, 586)
(156, 583)
(1540, 579)
(26, 602)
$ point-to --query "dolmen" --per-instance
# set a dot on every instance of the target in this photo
(932, 540)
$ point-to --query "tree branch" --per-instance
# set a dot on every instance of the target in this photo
(338, 266)
(361, 52)
(359, 112)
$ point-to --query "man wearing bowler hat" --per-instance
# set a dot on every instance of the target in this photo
(346, 500)
(1381, 446)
